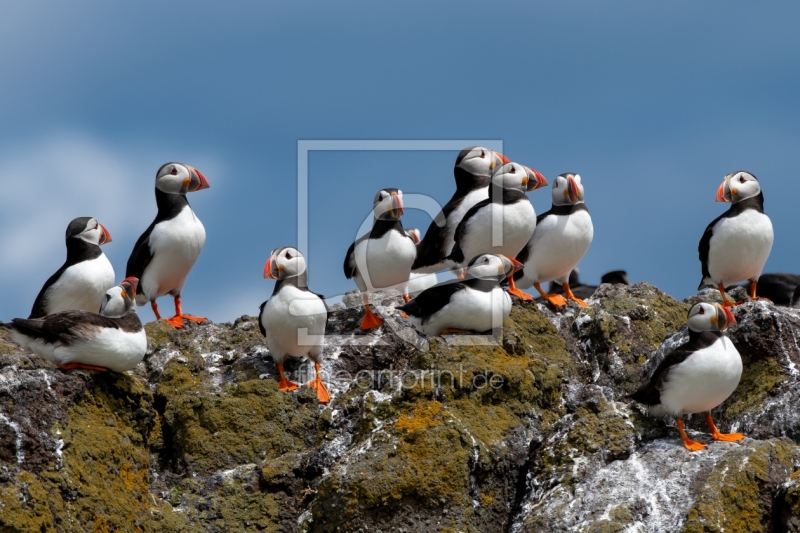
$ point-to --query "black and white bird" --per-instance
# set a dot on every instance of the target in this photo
(736, 245)
(698, 375)
(562, 237)
(477, 303)
(383, 257)
(114, 339)
(473, 171)
(504, 222)
(293, 320)
(419, 281)
(169, 248)
(84, 277)
(778, 287)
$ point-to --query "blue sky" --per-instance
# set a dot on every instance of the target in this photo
(651, 104)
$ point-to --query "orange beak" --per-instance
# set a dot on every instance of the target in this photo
(414, 234)
(106, 235)
(729, 318)
(397, 205)
(516, 264)
(721, 192)
(133, 282)
(573, 190)
(268, 270)
(535, 179)
(198, 181)
(502, 158)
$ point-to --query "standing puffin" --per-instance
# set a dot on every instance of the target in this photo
(697, 376)
(473, 171)
(504, 222)
(168, 249)
(84, 277)
(736, 245)
(383, 257)
(562, 236)
(293, 320)
(477, 303)
(112, 340)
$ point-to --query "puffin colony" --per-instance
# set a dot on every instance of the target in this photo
(488, 234)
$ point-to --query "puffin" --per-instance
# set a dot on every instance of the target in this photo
(114, 339)
(84, 277)
(383, 257)
(778, 287)
(476, 303)
(419, 281)
(169, 248)
(294, 319)
(736, 245)
(504, 222)
(473, 170)
(795, 302)
(698, 375)
(562, 237)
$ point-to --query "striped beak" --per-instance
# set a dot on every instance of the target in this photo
(106, 238)
(725, 318)
(270, 269)
(129, 286)
(724, 191)
(573, 189)
(198, 181)
(397, 205)
(535, 179)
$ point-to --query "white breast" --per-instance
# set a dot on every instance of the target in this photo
(419, 282)
(702, 381)
(557, 246)
(295, 324)
(739, 247)
(384, 262)
(515, 224)
(175, 244)
(468, 309)
(81, 286)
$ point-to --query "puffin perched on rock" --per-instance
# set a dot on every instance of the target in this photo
(473, 171)
(293, 320)
(697, 376)
(477, 303)
(504, 222)
(736, 245)
(562, 237)
(383, 257)
(169, 248)
(114, 339)
(84, 277)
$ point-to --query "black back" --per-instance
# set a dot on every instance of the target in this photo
(756, 202)
(650, 392)
(78, 251)
(67, 327)
(432, 300)
(169, 206)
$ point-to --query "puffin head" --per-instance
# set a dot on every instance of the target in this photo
(705, 316)
(414, 234)
(177, 178)
(388, 204)
(567, 189)
(284, 262)
(519, 177)
(120, 300)
(738, 186)
(492, 266)
(479, 161)
(89, 230)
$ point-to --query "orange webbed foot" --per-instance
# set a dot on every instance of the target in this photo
(286, 386)
(693, 445)
(322, 393)
(579, 302)
(81, 366)
(728, 437)
(370, 321)
(194, 318)
(556, 300)
(524, 296)
(176, 322)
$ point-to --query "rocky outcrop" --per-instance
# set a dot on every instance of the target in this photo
(526, 431)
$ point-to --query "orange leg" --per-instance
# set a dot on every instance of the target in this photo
(725, 301)
(177, 320)
(284, 384)
(322, 393)
(753, 296)
(716, 435)
(688, 443)
(572, 296)
(370, 320)
(406, 298)
(553, 299)
(76, 366)
(512, 289)
(155, 310)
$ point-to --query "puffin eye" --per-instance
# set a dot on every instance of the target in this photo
(513, 170)
(741, 179)
(483, 154)
(288, 255)
(174, 171)
(702, 311)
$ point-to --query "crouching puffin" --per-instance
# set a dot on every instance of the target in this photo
(477, 303)
(504, 222)
(473, 171)
(562, 236)
(697, 376)
(383, 257)
(293, 320)
(168, 249)
(84, 277)
(112, 340)
(736, 245)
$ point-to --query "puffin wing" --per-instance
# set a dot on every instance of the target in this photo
(350, 262)
(140, 257)
(457, 254)
(704, 247)
(260, 314)
(38, 311)
(431, 248)
(432, 300)
(66, 327)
